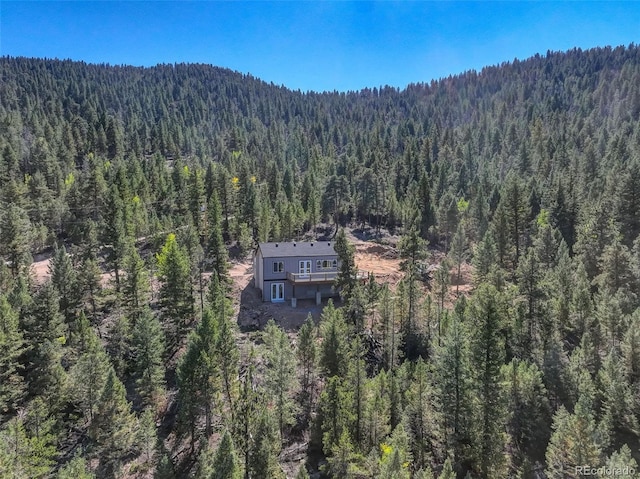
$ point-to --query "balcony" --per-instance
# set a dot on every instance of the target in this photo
(324, 277)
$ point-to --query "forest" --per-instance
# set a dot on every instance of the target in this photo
(143, 186)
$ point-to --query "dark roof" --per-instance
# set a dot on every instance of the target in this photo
(314, 248)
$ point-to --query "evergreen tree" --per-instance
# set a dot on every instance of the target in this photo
(76, 468)
(487, 356)
(334, 351)
(198, 378)
(334, 412)
(529, 411)
(574, 441)
(245, 412)
(302, 473)
(459, 252)
(217, 251)
(413, 252)
(340, 462)
(136, 287)
(265, 446)
(175, 292)
(16, 237)
(23, 455)
(45, 332)
(225, 462)
(12, 346)
(347, 271)
(307, 355)
(114, 426)
(225, 344)
(115, 232)
(65, 281)
(147, 347)
(147, 437)
(421, 418)
(280, 375)
(624, 461)
(89, 376)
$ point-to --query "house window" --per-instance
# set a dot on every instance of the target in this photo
(326, 264)
(278, 266)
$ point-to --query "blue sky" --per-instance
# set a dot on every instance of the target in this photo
(330, 45)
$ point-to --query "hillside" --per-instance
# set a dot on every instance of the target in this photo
(499, 211)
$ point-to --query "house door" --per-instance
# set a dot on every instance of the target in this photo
(304, 268)
(277, 292)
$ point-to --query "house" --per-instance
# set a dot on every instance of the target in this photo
(292, 271)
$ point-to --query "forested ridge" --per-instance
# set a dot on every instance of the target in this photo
(143, 186)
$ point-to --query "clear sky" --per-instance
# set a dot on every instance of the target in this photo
(329, 45)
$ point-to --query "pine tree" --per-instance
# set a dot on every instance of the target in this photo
(265, 446)
(339, 463)
(23, 455)
(458, 252)
(574, 441)
(12, 346)
(357, 377)
(334, 412)
(115, 233)
(452, 383)
(246, 408)
(114, 426)
(217, 250)
(198, 378)
(44, 328)
(334, 351)
(302, 473)
(65, 281)
(89, 376)
(148, 347)
(136, 287)
(147, 436)
(487, 356)
(529, 411)
(225, 462)
(16, 237)
(307, 355)
(376, 411)
(623, 460)
(280, 375)
(175, 292)
(421, 418)
(76, 468)
(390, 338)
(396, 456)
(413, 251)
(517, 211)
(442, 280)
(119, 344)
(226, 348)
(447, 470)
(616, 397)
(347, 271)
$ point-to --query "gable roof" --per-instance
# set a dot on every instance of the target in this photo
(312, 248)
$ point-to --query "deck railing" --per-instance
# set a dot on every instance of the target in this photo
(324, 277)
